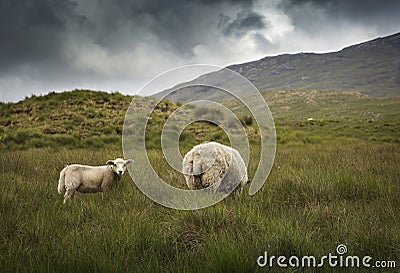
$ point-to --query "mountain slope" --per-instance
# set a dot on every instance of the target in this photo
(371, 68)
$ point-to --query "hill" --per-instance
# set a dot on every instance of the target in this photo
(79, 118)
(84, 119)
(371, 68)
(89, 119)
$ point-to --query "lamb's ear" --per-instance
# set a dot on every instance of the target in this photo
(129, 161)
(110, 162)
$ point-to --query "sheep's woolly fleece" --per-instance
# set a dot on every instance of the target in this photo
(214, 164)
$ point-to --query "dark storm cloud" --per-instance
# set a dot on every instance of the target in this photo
(377, 14)
(243, 22)
(31, 31)
(180, 25)
(355, 8)
(34, 30)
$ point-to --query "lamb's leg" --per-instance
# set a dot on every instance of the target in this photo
(104, 188)
(71, 185)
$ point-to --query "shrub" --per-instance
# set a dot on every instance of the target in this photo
(215, 113)
(37, 143)
(108, 130)
(77, 120)
(91, 112)
(220, 136)
(108, 139)
(64, 140)
(247, 120)
(23, 135)
(201, 111)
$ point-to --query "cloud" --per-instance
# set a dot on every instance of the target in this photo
(244, 22)
(381, 16)
(354, 8)
(31, 31)
(119, 45)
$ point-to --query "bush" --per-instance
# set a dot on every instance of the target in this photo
(247, 120)
(220, 136)
(37, 143)
(23, 135)
(107, 130)
(64, 140)
(91, 112)
(200, 112)
(108, 139)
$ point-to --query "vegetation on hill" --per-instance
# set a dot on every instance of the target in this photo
(326, 116)
(77, 119)
(88, 119)
(85, 119)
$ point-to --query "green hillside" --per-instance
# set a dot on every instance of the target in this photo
(72, 119)
(89, 119)
(323, 116)
(81, 119)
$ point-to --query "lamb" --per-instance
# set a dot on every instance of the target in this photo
(210, 163)
(90, 179)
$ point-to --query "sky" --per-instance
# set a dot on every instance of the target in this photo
(120, 45)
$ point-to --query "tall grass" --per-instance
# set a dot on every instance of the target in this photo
(316, 197)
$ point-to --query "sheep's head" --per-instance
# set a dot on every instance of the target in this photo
(119, 165)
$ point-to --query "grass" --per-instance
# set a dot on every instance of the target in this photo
(308, 206)
(328, 187)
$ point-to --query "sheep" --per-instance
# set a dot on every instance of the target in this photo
(211, 163)
(90, 179)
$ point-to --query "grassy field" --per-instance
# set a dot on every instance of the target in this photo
(335, 183)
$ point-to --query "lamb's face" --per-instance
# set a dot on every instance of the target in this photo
(119, 165)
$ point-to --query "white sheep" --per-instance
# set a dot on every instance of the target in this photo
(211, 163)
(90, 179)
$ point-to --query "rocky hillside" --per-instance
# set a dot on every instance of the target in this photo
(371, 68)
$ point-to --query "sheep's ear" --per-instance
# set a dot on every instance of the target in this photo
(129, 161)
(110, 162)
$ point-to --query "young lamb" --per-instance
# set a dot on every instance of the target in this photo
(211, 163)
(90, 179)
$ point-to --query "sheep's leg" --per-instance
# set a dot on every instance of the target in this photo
(190, 182)
(69, 194)
(242, 184)
(240, 190)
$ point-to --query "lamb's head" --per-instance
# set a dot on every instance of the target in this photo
(119, 165)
